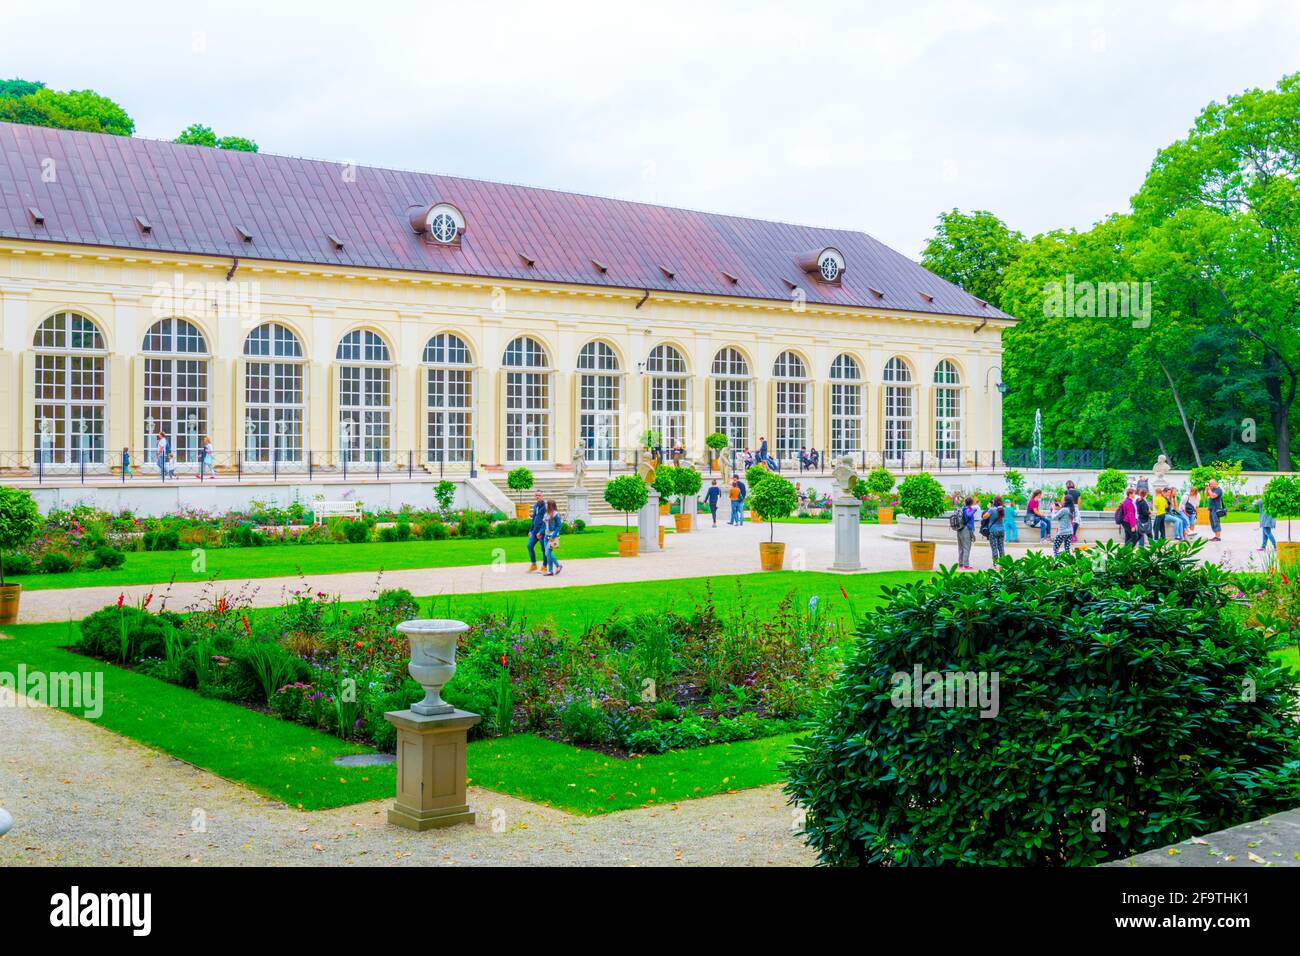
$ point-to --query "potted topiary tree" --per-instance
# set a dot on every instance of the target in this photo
(774, 497)
(1282, 500)
(754, 476)
(20, 523)
(520, 480)
(665, 482)
(686, 484)
(626, 493)
(1200, 477)
(880, 482)
(1111, 485)
(921, 497)
(716, 443)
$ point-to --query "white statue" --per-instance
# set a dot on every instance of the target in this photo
(843, 475)
(1160, 469)
(579, 465)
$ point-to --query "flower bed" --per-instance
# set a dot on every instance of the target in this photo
(642, 683)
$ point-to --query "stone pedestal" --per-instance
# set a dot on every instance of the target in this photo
(691, 506)
(579, 505)
(846, 517)
(430, 769)
(647, 523)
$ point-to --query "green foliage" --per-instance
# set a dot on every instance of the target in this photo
(20, 521)
(880, 481)
(104, 557)
(584, 722)
(82, 110)
(17, 87)
(665, 481)
(756, 475)
(1202, 475)
(1111, 482)
(650, 439)
(1122, 693)
(772, 498)
(197, 134)
(626, 493)
(1015, 484)
(716, 441)
(356, 532)
(519, 479)
(687, 482)
(920, 496)
(444, 492)
(100, 633)
(266, 667)
(168, 539)
(1282, 499)
(973, 250)
(55, 562)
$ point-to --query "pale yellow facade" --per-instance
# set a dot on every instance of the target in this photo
(125, 292)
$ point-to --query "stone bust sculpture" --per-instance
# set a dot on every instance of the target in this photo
(1160, 469)
(843, 476)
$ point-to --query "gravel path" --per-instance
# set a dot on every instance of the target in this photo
(706, 551)
(82, 795)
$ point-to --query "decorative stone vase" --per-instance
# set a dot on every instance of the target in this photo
(433, 659)
(922, 555)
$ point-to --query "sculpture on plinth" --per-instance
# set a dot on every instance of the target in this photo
(845, 476)
(579, 465)
(1160, 469)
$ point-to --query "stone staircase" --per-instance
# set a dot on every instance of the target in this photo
(555, 484)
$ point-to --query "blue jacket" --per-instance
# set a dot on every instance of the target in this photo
(539, 515)
(551, 526)
(713, 494)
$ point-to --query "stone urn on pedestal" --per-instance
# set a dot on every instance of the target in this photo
(431, 734)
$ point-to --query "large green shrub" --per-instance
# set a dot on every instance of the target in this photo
(20, 522)
(1133, 709)
(520, 479)
(1111, 482)
(772, 498)
(686, 482)
(1202, 475)
(1282, 499)
(626, 493)
(921, 497)
(716, 441)
(755, 475)
(880, 481)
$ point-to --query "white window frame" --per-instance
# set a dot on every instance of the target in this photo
(848, 406)
(600, 397)
(275, 395)
(947, 412)
(791, 407)
(528, 406)
(448, 399)
(365, 397)
(70, 360)
(899, 411)
(733, 397)
(177, 388)
(669, 396)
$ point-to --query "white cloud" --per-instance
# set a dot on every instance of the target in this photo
(867, 116)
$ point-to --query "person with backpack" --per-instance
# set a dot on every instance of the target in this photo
(1126, 517)
(996, 528)
(1214, 504)
(1191, 501)
(1036, 517)
(743, 489)
(1072, 498)
(1065, 516)
(1143, 508)
(962, 521)
(733, 496)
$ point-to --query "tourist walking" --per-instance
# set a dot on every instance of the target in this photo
(537, 525)
(1214, 504)
(966, 534)
(126, 463)
(744, 493)
(1072, 497)
(1065, 517)
(206, 459)
(551, 525)
(1143, 508)
(733, 494)
(1127, 517)
(160, 454)
(711, 499)
(997, 528)
(1267, 523)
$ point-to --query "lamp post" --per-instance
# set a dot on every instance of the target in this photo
(431, 734)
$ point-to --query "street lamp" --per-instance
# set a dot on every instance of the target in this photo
(1000, 385)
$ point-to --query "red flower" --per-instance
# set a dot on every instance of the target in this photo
(357, 645)
(248, 630)
(844, 594)
(147, 598)
(1284, 577)
(121, 598)
(503, 660)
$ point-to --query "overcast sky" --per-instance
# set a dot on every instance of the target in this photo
(868, 116)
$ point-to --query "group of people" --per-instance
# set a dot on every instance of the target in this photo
(165, 458)
(544, 529)
(761, 457)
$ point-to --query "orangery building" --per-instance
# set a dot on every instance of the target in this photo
(283, 309)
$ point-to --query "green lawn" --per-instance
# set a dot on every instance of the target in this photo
(293, 763)
(286, 560)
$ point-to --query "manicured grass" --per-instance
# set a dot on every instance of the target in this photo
(293, 763)
(286, 560)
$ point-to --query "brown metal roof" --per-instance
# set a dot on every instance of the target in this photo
(203, 201)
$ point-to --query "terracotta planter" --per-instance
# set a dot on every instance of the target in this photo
(522, 510)
(661, 537)
(922, 555)
(1202, 516)
(663, 509)
(1288, 553)
(9, 594)
(683, 522)
(771, 555)
(750, 516)
(628, 544)
(885, 515)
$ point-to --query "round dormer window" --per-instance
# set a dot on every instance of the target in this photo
(443, 227)
(830, 264)
(441, 222)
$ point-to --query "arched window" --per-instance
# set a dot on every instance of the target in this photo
(365, 396)
(176, 387)
(732, 388)
(598, 401)
(846, 406)
(669, 404)
(273, 395)
(70, 408)
(899, 407)
(528, 401)
(791, 379)
(449, 399)
(947, 412)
